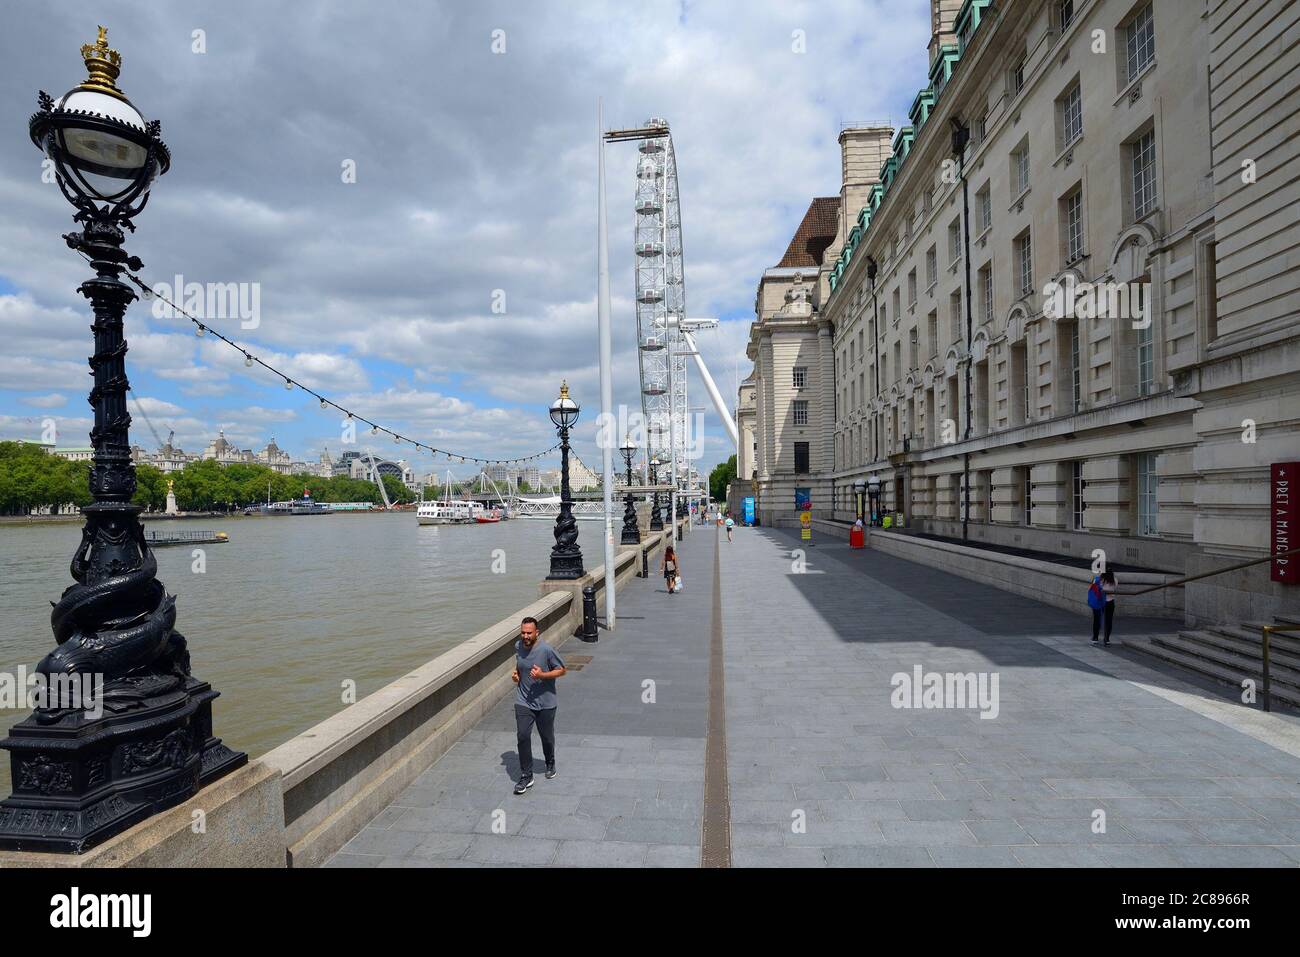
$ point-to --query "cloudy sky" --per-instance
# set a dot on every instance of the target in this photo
(475, 172)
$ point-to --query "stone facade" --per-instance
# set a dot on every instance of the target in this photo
(1087, 322)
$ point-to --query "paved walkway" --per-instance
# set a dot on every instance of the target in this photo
(821, 767)
(631, 772)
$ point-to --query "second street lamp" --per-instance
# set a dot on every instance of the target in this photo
(566, 556)
(631, 533)
(656, 516)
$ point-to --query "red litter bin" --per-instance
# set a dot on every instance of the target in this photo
(857, 537)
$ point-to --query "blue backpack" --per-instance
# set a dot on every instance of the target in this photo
(1096, 597)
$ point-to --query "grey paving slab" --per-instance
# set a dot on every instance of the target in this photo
(828, 765)
(631, 773)
(811, 660)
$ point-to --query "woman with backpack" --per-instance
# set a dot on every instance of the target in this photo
(1101, 599)
(670, 567)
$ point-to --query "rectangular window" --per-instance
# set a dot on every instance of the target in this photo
(982, 127)
(1020, 170)
(955, 324)
(954, 241)
(911, 288)
(931, 267)
(1148, 485)
(1065, 12)
(1017, 386)
(986, 293)
(1018, 76)
(1071, 116)
(984, 208)
(1072, 220)
(898, 305)
(800, 376)
(801, 457)
(1024, 258)
(1076, 494)
(912, 349)
(800, 411)
(1144, 174)
(932, 327)
(1139, 43)
(1076, 373)
(1028, 497)
(1146, 360)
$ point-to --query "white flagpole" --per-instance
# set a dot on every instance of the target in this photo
(610, 429)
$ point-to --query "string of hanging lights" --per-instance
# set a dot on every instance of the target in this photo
(203, 329)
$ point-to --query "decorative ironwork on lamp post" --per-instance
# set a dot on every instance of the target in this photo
(656, 516)
(566, 556)
(631, 532)
(86, 770)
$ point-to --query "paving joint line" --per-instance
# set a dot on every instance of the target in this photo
(715, 838)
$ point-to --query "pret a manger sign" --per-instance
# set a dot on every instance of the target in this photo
(1284, 520)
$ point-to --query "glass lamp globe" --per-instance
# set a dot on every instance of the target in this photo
(100, 143)
(564, 411)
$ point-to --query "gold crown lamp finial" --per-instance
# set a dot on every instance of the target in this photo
(102, 65)
(564, 388)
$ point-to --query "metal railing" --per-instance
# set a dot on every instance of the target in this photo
(1218, 571)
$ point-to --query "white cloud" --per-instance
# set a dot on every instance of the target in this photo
(475, 172)
(54, 400)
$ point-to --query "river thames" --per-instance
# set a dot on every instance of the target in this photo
(292, 607)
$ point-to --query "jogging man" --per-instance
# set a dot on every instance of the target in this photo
(536, 668)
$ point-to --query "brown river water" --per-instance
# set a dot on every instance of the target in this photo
(293, 606)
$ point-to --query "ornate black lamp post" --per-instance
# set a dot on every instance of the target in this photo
(566, 556)
(873, 497)
(656, 516)
(87, 764)
(631, 533)
(859, 496)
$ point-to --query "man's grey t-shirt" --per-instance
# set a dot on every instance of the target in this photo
(536, 693)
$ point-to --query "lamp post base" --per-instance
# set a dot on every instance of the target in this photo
(631, 532)
(566, 567)
(77, 781)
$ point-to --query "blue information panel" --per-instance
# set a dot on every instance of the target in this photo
(749, 509)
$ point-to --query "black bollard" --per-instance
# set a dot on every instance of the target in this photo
(589, 626)
(645, 563)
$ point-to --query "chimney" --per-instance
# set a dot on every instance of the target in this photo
(863, 150)
(943, 22)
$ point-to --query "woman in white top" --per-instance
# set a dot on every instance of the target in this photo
(670, 567)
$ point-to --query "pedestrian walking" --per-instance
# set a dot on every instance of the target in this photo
(731, 524)
(1101, 599)
(671, 568)
(536, 667)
